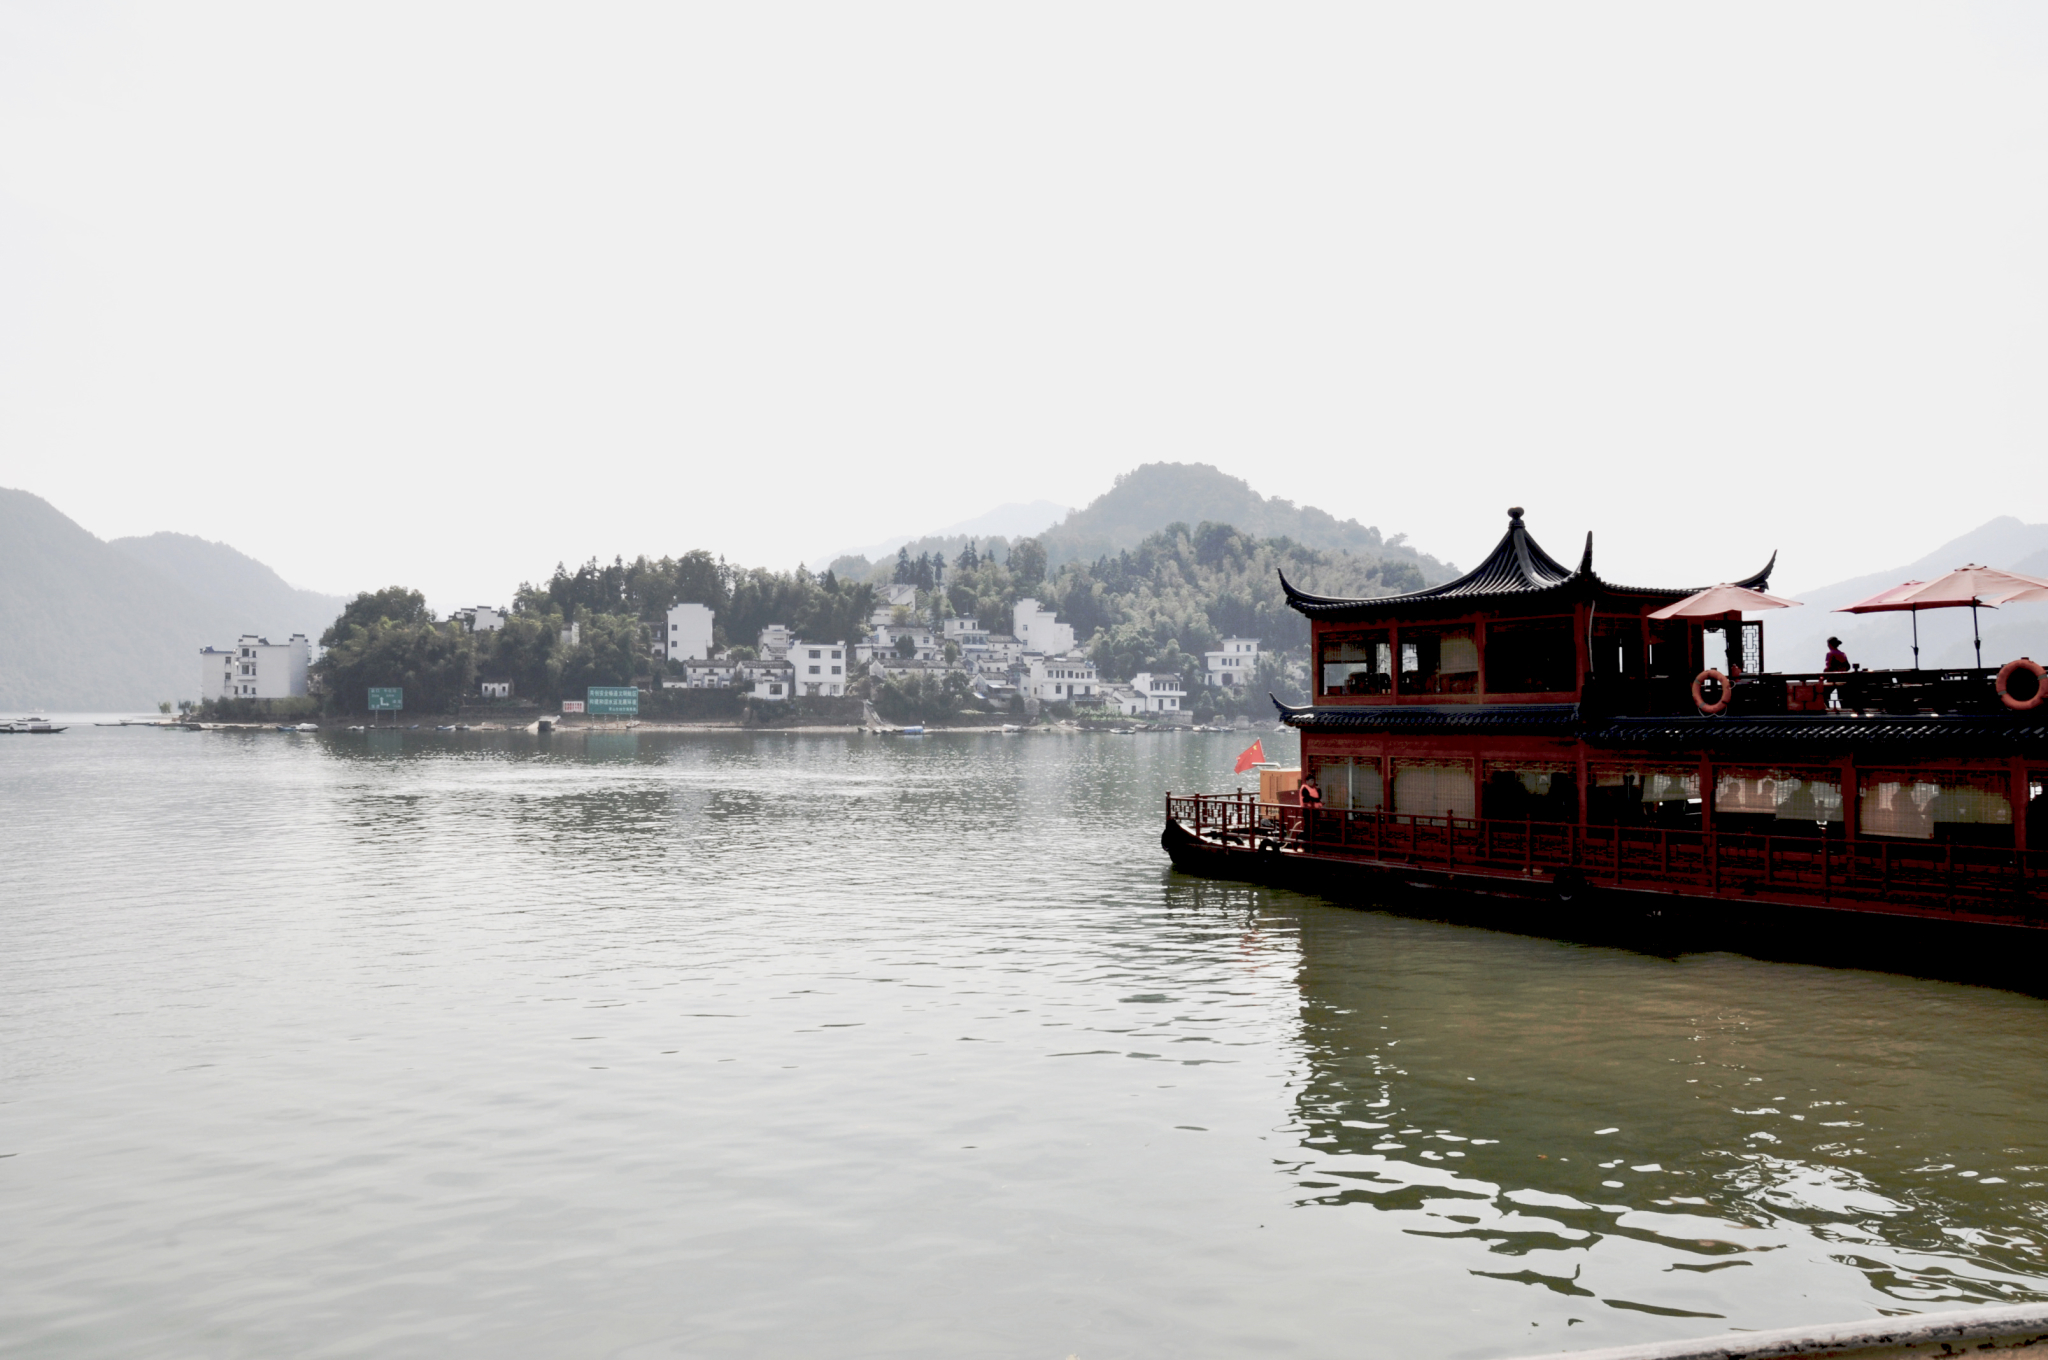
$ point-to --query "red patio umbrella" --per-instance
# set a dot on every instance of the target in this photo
(1974, 586)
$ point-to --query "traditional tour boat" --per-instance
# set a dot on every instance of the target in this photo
(1531, 730)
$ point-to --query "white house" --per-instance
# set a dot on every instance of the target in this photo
(1061, 679)
(687, 636)
(1040, 630)
(497, 689)
(1231, 668)
(774, 641)
(770, 679)
(255, 668)
(485, 619)
(705, 674)
(1160, 693)
(889, 599)
(818, 668)
(882, 642)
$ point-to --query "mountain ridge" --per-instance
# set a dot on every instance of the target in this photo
(94, 626)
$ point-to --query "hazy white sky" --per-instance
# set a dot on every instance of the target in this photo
(440, 294)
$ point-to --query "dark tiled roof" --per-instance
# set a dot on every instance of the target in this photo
(1516, 566)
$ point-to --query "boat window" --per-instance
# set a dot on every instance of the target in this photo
(1530, 656)
(1777, 802)
(1617, 649)
(1671, 650)
(1924, 805)
(1357, 663)
(1349, 782)
(2037, 809)
(1439, 661)
(1656, 795)
(1430, 788)
(1532, 791)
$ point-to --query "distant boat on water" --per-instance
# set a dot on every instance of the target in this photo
(41, 727)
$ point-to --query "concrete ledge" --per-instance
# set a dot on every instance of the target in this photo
(2013, 1329)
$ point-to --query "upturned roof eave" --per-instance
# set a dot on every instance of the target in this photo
(1524, 570)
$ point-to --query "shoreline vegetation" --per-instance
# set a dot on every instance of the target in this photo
(1155, 608)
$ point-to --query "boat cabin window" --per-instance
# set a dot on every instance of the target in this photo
(1439, 661)
(1644, 795)
(1774, 802)
(1927, 805)
(1671, 650)
(1431, 788)
(1358, 663)
(1349, 782)
(2037, 809)
(1531, 791)
(1531, 656)
(1617, 651)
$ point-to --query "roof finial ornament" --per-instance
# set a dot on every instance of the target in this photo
(1515, 513)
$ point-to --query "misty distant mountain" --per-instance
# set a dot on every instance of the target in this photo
(1149, 498)
(235, 584)
(90, 626)
(1141, 503)
(1015, 520)
(1796, 639)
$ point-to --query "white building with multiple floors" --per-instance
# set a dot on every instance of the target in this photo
(687, 634)
(774, 641)
(1040, 630)
(1159, 693)
(1231, 668)
(255, 668)
(1061, 679)
(818, 669)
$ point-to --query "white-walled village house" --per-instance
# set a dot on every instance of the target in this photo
(255, 668)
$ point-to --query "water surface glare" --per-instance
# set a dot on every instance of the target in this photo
(804, 1045)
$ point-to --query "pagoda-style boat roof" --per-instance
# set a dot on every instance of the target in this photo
(1516, 572)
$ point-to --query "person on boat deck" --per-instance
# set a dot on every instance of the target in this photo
(1837, 660)
(1311, 796)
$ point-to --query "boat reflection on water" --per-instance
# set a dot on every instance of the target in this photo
(1708, 1136)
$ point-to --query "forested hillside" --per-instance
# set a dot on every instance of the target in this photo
(1147, 499)
(1157, 606)
(87, 625)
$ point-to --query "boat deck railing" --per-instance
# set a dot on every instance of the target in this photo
(1924, 875)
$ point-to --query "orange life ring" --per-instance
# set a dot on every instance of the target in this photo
(1727, 691)
(2012, 701)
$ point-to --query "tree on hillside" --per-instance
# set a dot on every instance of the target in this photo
(969, 559)
(393, 604)
(435, 664)
(906, 574)
(1027, 561)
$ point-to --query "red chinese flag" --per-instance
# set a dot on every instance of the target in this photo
(1254, 754)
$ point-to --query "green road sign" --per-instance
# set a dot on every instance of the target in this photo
(614, 699)
(386, 700)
